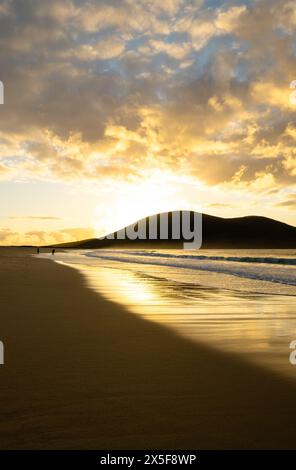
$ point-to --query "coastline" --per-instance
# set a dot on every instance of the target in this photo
(82, 372)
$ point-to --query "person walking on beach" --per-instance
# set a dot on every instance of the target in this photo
(53, 251)
(38, 251)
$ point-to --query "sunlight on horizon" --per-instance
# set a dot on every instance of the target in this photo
(135, 201)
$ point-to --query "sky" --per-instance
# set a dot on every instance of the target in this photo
(114, 110)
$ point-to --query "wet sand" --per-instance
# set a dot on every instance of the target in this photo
(84, 373)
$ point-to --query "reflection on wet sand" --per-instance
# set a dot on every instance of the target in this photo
(259, 326)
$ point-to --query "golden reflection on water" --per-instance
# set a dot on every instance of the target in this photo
(259, 326)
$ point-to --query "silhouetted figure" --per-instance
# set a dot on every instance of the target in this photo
(38, 251)
(53, 251)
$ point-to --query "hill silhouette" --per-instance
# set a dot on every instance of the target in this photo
(217, 232)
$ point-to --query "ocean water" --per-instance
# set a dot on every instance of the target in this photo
(278, 267)
(242, 301)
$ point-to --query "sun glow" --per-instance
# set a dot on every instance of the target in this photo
(133, 202)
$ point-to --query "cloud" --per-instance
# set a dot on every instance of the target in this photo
(218, 205)
(3, 170)
(108, 91)
(103, 50)
(40, 237)
(176, 50)
(202, 25)
(7, 236)
(289, 202)
(32, 217)
(10, 237)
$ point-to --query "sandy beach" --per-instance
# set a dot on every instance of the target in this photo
(81, 372)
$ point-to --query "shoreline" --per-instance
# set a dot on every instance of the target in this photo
(82, 372)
